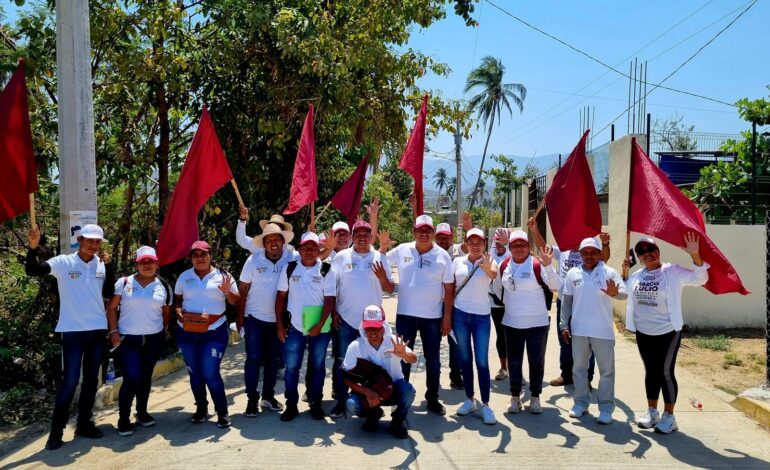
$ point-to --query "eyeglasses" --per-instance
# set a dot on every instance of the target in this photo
(644, 249)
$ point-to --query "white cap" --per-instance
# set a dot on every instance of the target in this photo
(146, 252)
(423, 221)
(340, 226)
(373, 317)
(646, 240)
(92, 231)
(475, 232)
(322, 237)
(444, 227)
(309, 237)
(518, 235)
(590, 242)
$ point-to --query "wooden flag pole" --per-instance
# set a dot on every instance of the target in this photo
(237, 193)
(32, 218)
(323, 211)
(539, 208)
(625, 254)
(312, 214)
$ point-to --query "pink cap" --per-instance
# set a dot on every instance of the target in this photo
(340, 227)
(200, 245)
(444, 228)
(475, 232)
(423, 221)
(373, 317)
(518, 235)
(146, 252)
(362, 224)
(309, 237)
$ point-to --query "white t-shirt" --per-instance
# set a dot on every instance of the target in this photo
(81, 306)
(421, 280)
(141, 308)
(592, 308)
(262, 274)
(308, 289)
(566, 260)
(474, 297)
(651, 313)
(360, 348)
(203, 295)
(357, 286)
(523, 296)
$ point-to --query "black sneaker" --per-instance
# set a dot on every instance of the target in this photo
(88, 430)
(252, 409)
(290, 413)
(435, 406)
(456, 382)
(54, 439)
(316, 411)
(338, 410)
(223, 420)
(125, 428)
(200, 415)
(398, 429)
(271, 404)
(372, 418)
(145, 419)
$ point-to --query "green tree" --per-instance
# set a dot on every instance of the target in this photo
(490, 100)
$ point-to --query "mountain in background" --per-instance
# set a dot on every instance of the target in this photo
(470, 168)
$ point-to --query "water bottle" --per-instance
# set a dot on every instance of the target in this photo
(110, 376)
(696, 403)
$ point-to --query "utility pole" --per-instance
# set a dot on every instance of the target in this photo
(459, 178)
(77, 166)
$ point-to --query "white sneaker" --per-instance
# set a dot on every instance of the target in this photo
(667, 424)
(515, 405)
(488, 415)
(501, 374)
(605, 417)
(577, 411)
(534, 406)
(650, 419)
(468, 406)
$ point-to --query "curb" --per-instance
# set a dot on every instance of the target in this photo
(755, 409)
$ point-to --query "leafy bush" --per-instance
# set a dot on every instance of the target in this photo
(715, 343)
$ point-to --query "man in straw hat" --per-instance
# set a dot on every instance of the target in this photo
(246, 241)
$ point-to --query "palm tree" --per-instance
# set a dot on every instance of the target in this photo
(488, 103)
(451, 187)
(440, 180)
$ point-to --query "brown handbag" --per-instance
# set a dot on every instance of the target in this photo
(196, 322)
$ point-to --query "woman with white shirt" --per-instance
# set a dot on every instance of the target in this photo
(654, 312)
(526, 318)
(199, 296)
(471, 319)
(140, 331)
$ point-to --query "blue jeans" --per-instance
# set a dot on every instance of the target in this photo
(79, 349)
(262, 350)
(138, 354)
(535, 340)
(469, 326)
(565, 352)
(430, 334)
(202, 354)
(345, 335)
(403, 397)
(294, 349)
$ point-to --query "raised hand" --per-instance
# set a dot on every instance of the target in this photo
(612, 288)
(33, 237)
(486, 261)
(399, 347)
(692, 243)
(104, 256)
(379, 271)
(385, 241)
(331, 242)
(227, 283)
(467, 221)
(546, 255)
(502, 236)
(532, 223)
(604, 237)
(373, 208)
(243, 212)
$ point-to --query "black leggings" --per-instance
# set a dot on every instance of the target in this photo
(497, 319)
(659, 356)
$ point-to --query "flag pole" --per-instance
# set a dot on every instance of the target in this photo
(323, 211)
(32, 218)
(628, 211)
(539, 208)
(312, 214)
(237, 193)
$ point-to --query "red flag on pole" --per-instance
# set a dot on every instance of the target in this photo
(571, 201)
(659, 209)
(348, 198)
(304, 185)
(412, 159)
(18, 178)
(205, 171)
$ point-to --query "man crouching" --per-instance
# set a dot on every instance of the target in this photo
(372, 370)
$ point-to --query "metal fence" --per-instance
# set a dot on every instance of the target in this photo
(667, 141)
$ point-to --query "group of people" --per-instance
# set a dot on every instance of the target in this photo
(330, 290)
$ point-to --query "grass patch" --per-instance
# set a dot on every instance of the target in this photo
(726, 389)
(732, 359)
(715, 343)
(757, 359)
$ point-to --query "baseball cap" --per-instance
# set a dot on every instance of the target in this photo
(146, 252)
(322, 237)
(423, 221)
(373, 317)
(518, 235)
(590, 242)
(646, 240)
(362, 224)
(475, 232)
(309, 237)
(200, 245)
(444, 228)
(340, 226)
(92, 231)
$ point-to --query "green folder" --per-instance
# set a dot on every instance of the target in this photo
(311, 316)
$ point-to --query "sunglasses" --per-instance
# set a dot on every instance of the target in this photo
(644, 249)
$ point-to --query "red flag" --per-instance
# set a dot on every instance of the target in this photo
(571, 201)
(205, 171)
(304, 185)
(411, 160)
(659, 209)
(18, 178)
(348, 197)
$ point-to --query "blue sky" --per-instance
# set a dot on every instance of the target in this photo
(731, 67)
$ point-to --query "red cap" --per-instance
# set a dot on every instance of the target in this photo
(362, 224)
(200, 245)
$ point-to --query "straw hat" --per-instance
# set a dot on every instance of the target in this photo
(271, 229)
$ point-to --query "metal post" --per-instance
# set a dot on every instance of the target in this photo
(648, 134)
(633, 113)
(560, 161)
(753, 171)
(612, 133)
(458, 162)
(628, 109)
(77, 167)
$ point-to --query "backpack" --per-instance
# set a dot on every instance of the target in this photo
(547, 292)
(290, 267)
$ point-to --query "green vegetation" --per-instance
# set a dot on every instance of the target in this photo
(716, 343)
